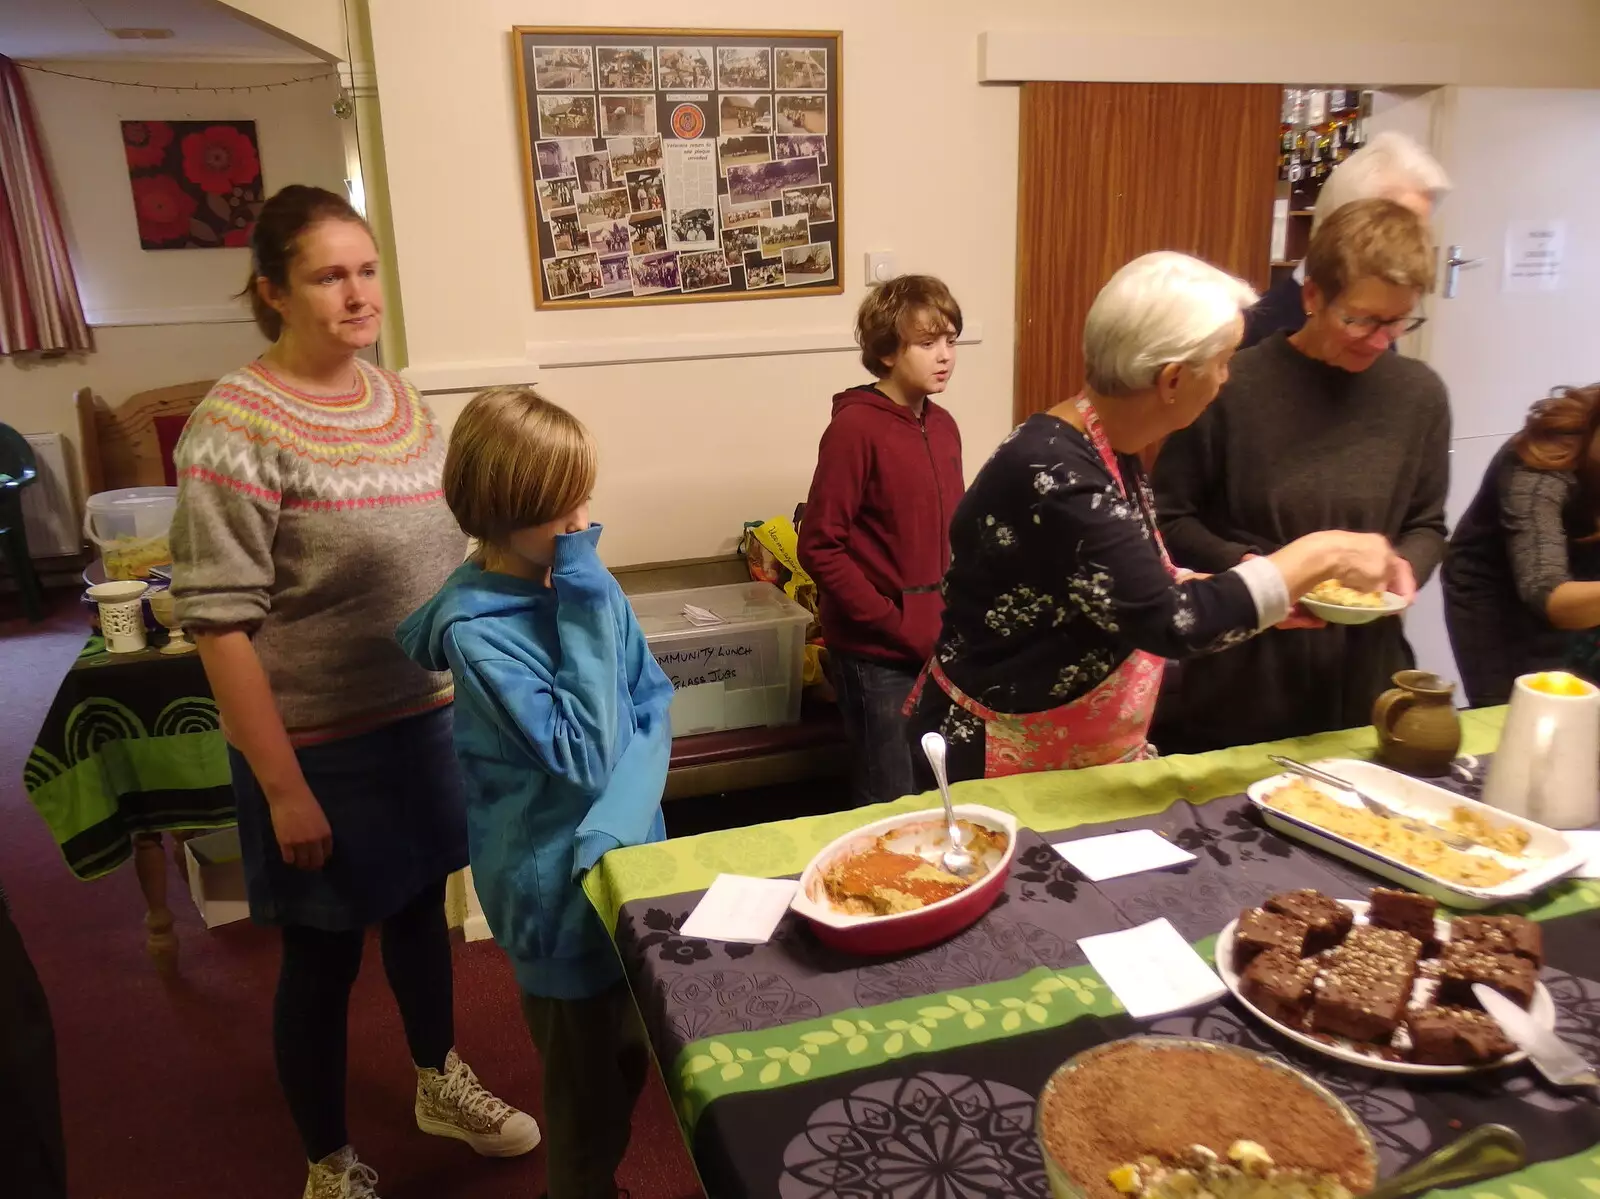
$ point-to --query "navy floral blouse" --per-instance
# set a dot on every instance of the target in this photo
(1056, 577)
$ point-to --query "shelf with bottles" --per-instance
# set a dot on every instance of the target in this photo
(1320, 128)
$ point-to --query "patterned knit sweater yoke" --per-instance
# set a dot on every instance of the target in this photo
(318, 523)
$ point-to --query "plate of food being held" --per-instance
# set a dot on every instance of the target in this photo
(1338, 604)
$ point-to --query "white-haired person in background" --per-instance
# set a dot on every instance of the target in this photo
(1389, 167)
(1061, 606)
(1322, 426)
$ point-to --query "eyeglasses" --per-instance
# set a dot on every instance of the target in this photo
(1366, 326)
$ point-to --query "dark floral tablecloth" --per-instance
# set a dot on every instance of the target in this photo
(803, 1073)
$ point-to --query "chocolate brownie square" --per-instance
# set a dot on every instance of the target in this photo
(1365, 985)
(1501, 934)
(1453, 1036)
(1326, 920)
(1259, 930)
(1406, 912)
(1464, 964)
(1386, 942)
(1279, 983)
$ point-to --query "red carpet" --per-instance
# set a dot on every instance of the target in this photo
(168, 1088)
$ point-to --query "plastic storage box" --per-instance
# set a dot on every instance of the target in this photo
(742, 671)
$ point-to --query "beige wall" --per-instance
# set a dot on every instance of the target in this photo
(161, 316)
(692, 448)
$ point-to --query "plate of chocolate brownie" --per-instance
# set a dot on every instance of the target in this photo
(1384, 982)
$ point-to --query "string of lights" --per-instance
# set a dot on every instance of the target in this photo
(167, 87)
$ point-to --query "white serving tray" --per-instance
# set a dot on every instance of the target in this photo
(1550, 855)
(1542, 1009)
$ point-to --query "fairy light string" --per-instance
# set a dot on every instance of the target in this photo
(168, 87)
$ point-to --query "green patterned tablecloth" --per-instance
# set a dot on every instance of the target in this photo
(131, 744)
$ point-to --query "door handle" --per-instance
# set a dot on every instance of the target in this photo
(1452, 268)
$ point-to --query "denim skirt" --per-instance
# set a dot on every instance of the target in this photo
(393, 798)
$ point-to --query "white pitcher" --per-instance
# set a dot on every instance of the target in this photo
(1548, 765)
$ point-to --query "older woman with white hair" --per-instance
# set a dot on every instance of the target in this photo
(1061, 605)
(1389, 167)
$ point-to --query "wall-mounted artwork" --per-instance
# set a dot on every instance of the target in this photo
(669, 165)
(196, 184)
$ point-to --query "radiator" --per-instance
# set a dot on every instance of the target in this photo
(48, 513)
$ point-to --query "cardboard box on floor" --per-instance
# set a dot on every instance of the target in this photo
(216, 877)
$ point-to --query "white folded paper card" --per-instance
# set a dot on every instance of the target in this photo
(1116, 854)
(697, 615)
(1589, 841)
(1152, 969)
(738, 908)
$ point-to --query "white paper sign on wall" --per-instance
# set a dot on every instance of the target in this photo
(1534, 254)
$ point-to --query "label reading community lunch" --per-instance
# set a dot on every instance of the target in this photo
(705, 663)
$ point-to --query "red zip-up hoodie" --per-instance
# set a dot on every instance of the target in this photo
(876, 531)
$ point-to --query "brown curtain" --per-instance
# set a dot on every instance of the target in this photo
(39, 305)
(1109, 171)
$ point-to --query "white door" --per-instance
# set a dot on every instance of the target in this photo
(1521, 161)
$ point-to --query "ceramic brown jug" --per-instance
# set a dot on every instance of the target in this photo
(1418, 728)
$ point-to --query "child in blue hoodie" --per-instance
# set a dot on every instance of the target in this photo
(561, 730)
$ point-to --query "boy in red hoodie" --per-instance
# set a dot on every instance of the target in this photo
(876, 531)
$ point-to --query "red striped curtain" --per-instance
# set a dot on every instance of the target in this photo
(39, 305)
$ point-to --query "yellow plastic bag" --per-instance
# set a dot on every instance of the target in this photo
(771, 547)
(781, 543)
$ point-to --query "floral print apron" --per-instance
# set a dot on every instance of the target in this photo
(1109, 723)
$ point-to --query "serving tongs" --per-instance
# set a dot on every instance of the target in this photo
(1376, 806)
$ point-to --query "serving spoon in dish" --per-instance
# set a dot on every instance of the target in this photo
(1376, 806)
(956, 860)
(1485, 1152)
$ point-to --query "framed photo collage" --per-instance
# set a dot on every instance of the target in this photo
(677, 165)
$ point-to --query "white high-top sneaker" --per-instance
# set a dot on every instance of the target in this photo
(453, 1103)
(341, 1175)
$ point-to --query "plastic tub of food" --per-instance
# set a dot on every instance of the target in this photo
(129, 527)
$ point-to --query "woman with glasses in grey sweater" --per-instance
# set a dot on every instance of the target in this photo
(1321, 428)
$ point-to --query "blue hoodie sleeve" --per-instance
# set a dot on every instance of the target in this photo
(569, 720)
(628, 811)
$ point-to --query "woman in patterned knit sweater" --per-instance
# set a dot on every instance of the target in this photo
(310, 521)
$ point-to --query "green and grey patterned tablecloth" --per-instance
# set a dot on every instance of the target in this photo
(801, 1073)
(131, 745)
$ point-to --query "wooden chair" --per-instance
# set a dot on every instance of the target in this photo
(131, 445)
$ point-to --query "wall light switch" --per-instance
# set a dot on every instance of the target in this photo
(880, 266)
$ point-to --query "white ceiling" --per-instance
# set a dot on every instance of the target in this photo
(76, 29)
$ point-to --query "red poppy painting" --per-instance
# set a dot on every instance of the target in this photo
(196, 184)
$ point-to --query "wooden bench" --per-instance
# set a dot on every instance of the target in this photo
(741, 758)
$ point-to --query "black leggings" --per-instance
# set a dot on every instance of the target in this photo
(311, 1013)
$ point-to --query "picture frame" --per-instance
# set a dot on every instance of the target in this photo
(628, 197)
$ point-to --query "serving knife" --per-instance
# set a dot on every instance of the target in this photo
(1552, 1056)
(1376, 806)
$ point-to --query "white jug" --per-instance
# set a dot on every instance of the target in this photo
(1548, 765)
